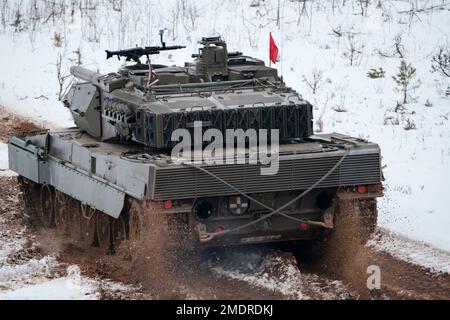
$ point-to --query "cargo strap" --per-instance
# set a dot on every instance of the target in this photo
(210, 236)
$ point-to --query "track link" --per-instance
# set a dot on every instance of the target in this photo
(141, 228)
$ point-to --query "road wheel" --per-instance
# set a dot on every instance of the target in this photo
(47, 206)
(29, 197)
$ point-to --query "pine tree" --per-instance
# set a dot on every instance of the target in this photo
(404, 79)
(375, 73)
(441, 62)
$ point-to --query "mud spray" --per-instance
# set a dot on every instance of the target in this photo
(342, 255)
(158, 249)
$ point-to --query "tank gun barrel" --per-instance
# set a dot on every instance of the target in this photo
(85, 74)
(106, 83)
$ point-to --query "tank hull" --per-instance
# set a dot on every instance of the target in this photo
(105, 176)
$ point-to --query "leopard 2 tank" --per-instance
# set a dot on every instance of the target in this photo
(117, 170)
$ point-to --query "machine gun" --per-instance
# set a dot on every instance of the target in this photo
(136, 53)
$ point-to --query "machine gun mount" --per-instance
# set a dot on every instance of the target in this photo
(136, 53)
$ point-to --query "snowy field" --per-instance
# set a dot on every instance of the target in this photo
(4, 171)
(338, 42)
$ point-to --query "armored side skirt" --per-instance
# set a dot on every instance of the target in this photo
(77, 183)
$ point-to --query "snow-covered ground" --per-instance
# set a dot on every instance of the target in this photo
(24, 274)
(34, 280)
(316, 38)
(38, 286)
(4, 169)
(276, 272)
(415, 252)
(56, 289)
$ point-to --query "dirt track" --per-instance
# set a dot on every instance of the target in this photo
(197, 278)
(11, 123)
(265, 272)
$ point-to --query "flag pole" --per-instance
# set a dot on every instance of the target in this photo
(282, 42)
(270, 61)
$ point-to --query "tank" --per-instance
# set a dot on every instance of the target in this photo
(114, 178)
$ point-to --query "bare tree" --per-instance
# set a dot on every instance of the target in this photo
(399, 48)
(314, 82)
(193, 15)
(3, 12)
(302, 10)
(340, 106)
(278, 15)
(175, 15)
(62, 77)
(189, 14)
(117, 5)
(18, 19)
(34, 17)
(354, 49)
(320, 124)
(364, 4)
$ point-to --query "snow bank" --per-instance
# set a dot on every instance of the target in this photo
(57, 289)
(12, 274)
(414, 252)
(274, 271)
(28, 282)
(71, 287)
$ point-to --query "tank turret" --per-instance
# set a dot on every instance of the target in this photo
(144, 103)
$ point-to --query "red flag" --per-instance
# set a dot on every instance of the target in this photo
(273, 53)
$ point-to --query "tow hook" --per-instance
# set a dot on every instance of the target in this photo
(203, 236)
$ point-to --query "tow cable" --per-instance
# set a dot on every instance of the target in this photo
(205, 236)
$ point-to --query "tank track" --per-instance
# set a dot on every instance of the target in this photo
(139, 228)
